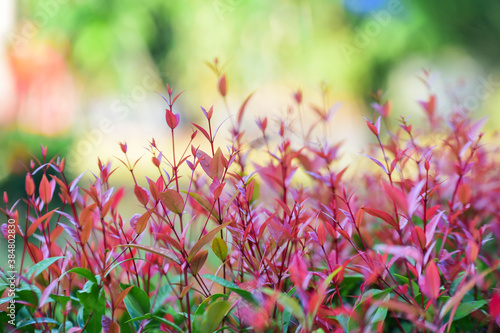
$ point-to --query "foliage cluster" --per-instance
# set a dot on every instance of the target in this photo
(286, 242)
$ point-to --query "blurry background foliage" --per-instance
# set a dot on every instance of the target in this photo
(80, 75)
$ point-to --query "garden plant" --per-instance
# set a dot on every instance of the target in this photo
(266, 235)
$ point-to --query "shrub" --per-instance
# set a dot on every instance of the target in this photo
(221, 242)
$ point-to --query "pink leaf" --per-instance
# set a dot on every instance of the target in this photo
(413, 198)
(397, 196)
(46, 293)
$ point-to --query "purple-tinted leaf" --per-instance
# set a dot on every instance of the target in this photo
(377, 162)
(431, 227)
(71, 232)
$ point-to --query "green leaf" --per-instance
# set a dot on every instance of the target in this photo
(29, 294)
(289, 303)
(467, 308)
(63, 300)
(146, 316)
(162, 295)
(88, 295)
(203, 305)
(83, 273)
(246, 295)
(36, 321)
(343, 320)
(381, 312)
(41, 266)
(6, 299)
(94, 305)
(287, 314)
(136, 301)
(458, 296)
(226, 328)
(220, 248)
(205, 240)
(404, 279)
(371, 293)
(95, 315)
(201, 309)
(330, 277)
(214, 315)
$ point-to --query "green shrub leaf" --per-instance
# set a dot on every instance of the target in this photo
(246, 295)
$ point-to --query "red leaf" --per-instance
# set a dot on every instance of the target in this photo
(198, 261)
(142, 222)
(372, 128)
(153, 188)
(344, 233)
(383, 215)
(495, 307)
(172, 119)
(418, 237)
(472, 250)
(218, 191)
(176, 96)
(264, 225)
(205, 240)
(172, 200)
(123, 147)
(223, 85)
(37, 222)
(430, 105)
(45, 190)
(202, 130)
(242, 108)
(432, 282)
(217, 165)
(298, 96)
(464, 193)
(320, 230)
(86, 214)
(358, 217)
(141, 194)
(166, 253)
(86, 229)
(30, 185)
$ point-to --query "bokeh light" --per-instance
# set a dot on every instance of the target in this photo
(85, 75)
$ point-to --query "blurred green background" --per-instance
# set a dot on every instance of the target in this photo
(81, 75)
